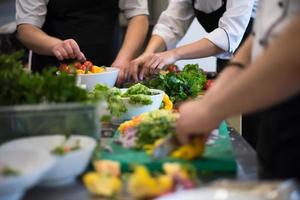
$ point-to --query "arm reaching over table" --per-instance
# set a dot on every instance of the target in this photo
(272, 78)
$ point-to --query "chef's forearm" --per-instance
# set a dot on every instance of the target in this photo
(134, 38)
(225, 78)
(199, 49)
(36, 40)
(243, 55)
(156, 44)
(272, 78)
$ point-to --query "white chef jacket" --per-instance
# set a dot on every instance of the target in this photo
(176, 19)
(34, 11)
(272, 17)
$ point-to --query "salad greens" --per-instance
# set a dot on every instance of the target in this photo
(7, 171)
(137, 94)
(20, 87)
(155, 125)
(180, 86)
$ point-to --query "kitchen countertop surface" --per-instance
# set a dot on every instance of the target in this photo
(245, 158)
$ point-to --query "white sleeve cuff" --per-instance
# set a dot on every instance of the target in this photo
(135, 12)
(166, 35)
(31, 20)
(220, 38)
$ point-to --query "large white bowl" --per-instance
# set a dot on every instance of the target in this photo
(137, 109)
(32, 163)
(66, 167)
(108, 77)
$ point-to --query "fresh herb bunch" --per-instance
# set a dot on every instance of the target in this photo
(20, 87)
(155, 125)
(180, 86)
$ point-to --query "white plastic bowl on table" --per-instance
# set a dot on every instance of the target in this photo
(68, 166)
(31, 162)
(109, 77)
(137, 109)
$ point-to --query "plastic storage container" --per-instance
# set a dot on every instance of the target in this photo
(47, 119)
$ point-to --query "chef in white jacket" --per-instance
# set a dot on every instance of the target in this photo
(267, 79)
(226, 22)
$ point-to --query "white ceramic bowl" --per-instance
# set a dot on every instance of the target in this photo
(108, 77)
(67, 167)
(32, 163)
(137, 109)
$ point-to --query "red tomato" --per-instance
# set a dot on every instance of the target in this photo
(83, 67)
(77, 65)
(172, 68)
(208, 84)
(88, 64)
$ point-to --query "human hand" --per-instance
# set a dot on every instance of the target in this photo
(123, 65)
(195, 119)
(158, 61)
(137, 64)
(67, 49)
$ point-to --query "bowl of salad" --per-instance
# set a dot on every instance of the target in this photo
(71, 154)
(139, 99)
(126, 103)
(88, 74)
(20, 169)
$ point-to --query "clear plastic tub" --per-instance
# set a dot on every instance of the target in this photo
(47, 119)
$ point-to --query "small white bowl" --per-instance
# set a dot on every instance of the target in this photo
(32, 163)
(109, 77)
(68, 166)
(137, 109)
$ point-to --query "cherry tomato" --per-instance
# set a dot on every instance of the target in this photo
(208, 84)
(172, 68)
(77, 65)
(88, 64)
(83, 67)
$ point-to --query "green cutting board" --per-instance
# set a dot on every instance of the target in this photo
(217, 158)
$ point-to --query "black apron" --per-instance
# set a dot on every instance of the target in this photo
(90, 23)
(278, 144)
(210, 21)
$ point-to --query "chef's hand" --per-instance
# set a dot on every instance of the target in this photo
(158, 61)
(136, 66)
(195, 118)
(123, 65)
(67, 49)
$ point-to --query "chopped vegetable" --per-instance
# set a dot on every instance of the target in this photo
(63, 149)
(7, 171)
(85, 68)
(180, 85)
(147, 128)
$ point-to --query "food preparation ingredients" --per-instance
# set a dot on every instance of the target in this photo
(81, 68)
(180, 85)
(64, 149)
(20, 87)
(105, 181)
(137, 94)
(147, 128)
(8, 171)
(167, 104)
(143, 185)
